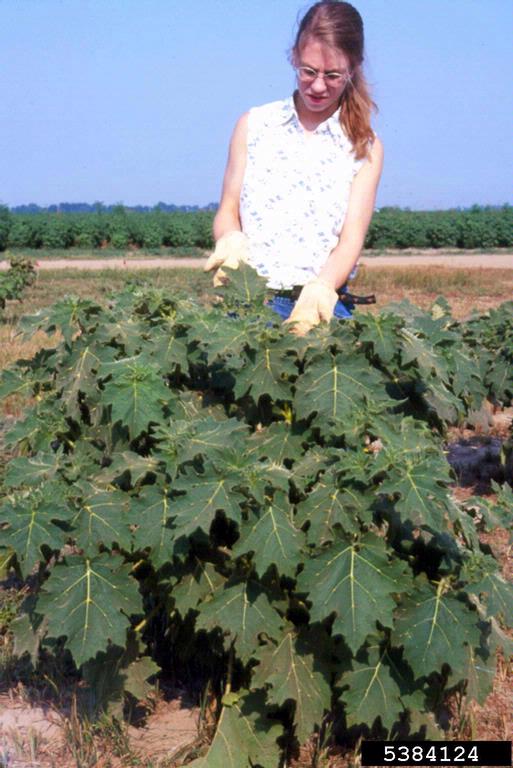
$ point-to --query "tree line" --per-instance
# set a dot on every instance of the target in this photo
(99, 207)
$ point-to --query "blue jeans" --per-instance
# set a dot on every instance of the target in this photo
(283, 306)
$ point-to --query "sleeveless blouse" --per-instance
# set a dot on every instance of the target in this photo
(295, 192)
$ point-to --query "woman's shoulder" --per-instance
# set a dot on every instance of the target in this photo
(273, 112)
(251, 123)
(372, 160)
(375, 150)
(376, 145)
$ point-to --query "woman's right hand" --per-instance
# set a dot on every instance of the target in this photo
(232, 249)
(315, 304)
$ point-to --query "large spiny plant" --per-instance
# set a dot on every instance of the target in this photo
(200, 488)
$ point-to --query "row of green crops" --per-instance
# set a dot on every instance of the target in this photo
(198, 490)
(478, 227)
(116, 229)
(390, 228)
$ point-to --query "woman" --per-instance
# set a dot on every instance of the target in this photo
(302, 174)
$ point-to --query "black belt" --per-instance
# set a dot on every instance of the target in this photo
(344, 296)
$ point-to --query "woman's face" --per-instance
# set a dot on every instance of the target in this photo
(320, 95)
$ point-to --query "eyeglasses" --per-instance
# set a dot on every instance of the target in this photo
(308, 75)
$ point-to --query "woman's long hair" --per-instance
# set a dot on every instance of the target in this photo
(339, 25)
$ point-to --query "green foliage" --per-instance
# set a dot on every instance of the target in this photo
(5, 226)
(200, 489)
(244, 736)
(492, 337)
(57, 231)
(478, 227)
(19, 276)
(119, 228)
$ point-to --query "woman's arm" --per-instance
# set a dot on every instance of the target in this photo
(227, 218)
(362, 197)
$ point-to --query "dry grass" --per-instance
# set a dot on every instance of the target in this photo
(464, 289)
(43, 254)
(51, 285)
(433, 279)
(13, 348)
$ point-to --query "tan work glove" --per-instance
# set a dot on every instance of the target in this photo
(315, 304)
(231, 250)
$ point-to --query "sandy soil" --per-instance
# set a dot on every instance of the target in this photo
(434, 258)
(34, 735)
(408, 258)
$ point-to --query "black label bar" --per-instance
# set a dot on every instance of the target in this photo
(448, 753)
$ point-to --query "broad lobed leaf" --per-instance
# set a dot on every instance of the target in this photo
(88, 601)
(355, 581)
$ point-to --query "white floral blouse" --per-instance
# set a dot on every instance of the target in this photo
(294, 193)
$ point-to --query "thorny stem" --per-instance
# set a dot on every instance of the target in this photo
(142, 624)
(229, 672)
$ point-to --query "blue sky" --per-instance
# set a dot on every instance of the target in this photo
(134, 102)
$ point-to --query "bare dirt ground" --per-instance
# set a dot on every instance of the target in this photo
(392, 259)
(42, 735)
(435, 258)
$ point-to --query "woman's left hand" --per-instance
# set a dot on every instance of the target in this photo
(231, 251)
(316, 303)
